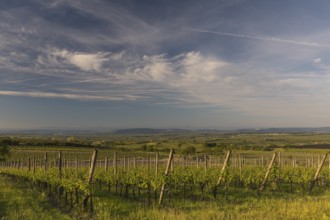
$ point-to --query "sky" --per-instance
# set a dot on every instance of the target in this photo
(192, 64)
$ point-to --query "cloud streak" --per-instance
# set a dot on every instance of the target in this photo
(262, 38)
(191, 78)
(40, 94)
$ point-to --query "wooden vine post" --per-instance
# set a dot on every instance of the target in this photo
(60, 164)
(90, 179)
(29, 164)
(224, 167)
(124, 164)
(166, 174)
(156, 164)
(148, 161)
(106, 164)
(316, 176)
(263, 184)
(240, 163)
(77, 166)
(34, 163)
(92, 168)
(197, 161)
(115, 163)
(205, 163)
(45, 163)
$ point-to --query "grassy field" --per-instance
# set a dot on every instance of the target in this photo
(21, 201)
(269, 206)
(163, 142)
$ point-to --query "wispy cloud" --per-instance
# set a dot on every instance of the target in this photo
(190, 78)
(24, 80)
(133, 76)
(262, 38)
(68, 51)
(67, 96)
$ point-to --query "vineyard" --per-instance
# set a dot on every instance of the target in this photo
(76, 180)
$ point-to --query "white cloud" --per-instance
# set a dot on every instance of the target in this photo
(322, 65)
(182, 70)
(88, 62)
(84, 61)
(154, 68)
(196, 68)
(190, 78)
(186, 78)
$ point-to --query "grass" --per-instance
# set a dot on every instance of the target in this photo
(266, 206)
(19, 202)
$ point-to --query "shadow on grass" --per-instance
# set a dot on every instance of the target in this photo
(3, 207)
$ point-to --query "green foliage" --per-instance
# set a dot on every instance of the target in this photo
(143, 147)
(151, 148)
(184, 182)
(4, 152)
(71, 139)
(4, 147)
(207, 144)
(188, 150)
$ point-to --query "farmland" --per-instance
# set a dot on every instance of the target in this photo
(175, 176)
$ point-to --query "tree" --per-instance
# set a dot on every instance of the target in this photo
(4, 148)
(98, 143)
(71, 139)
(207, 144)
(189, 150)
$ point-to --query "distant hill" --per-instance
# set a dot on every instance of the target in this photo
(286, 130)
(149, 131)
(48, 132)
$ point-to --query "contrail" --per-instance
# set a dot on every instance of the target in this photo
(252, 37)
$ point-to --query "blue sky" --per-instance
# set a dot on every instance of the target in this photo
(164, 64)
